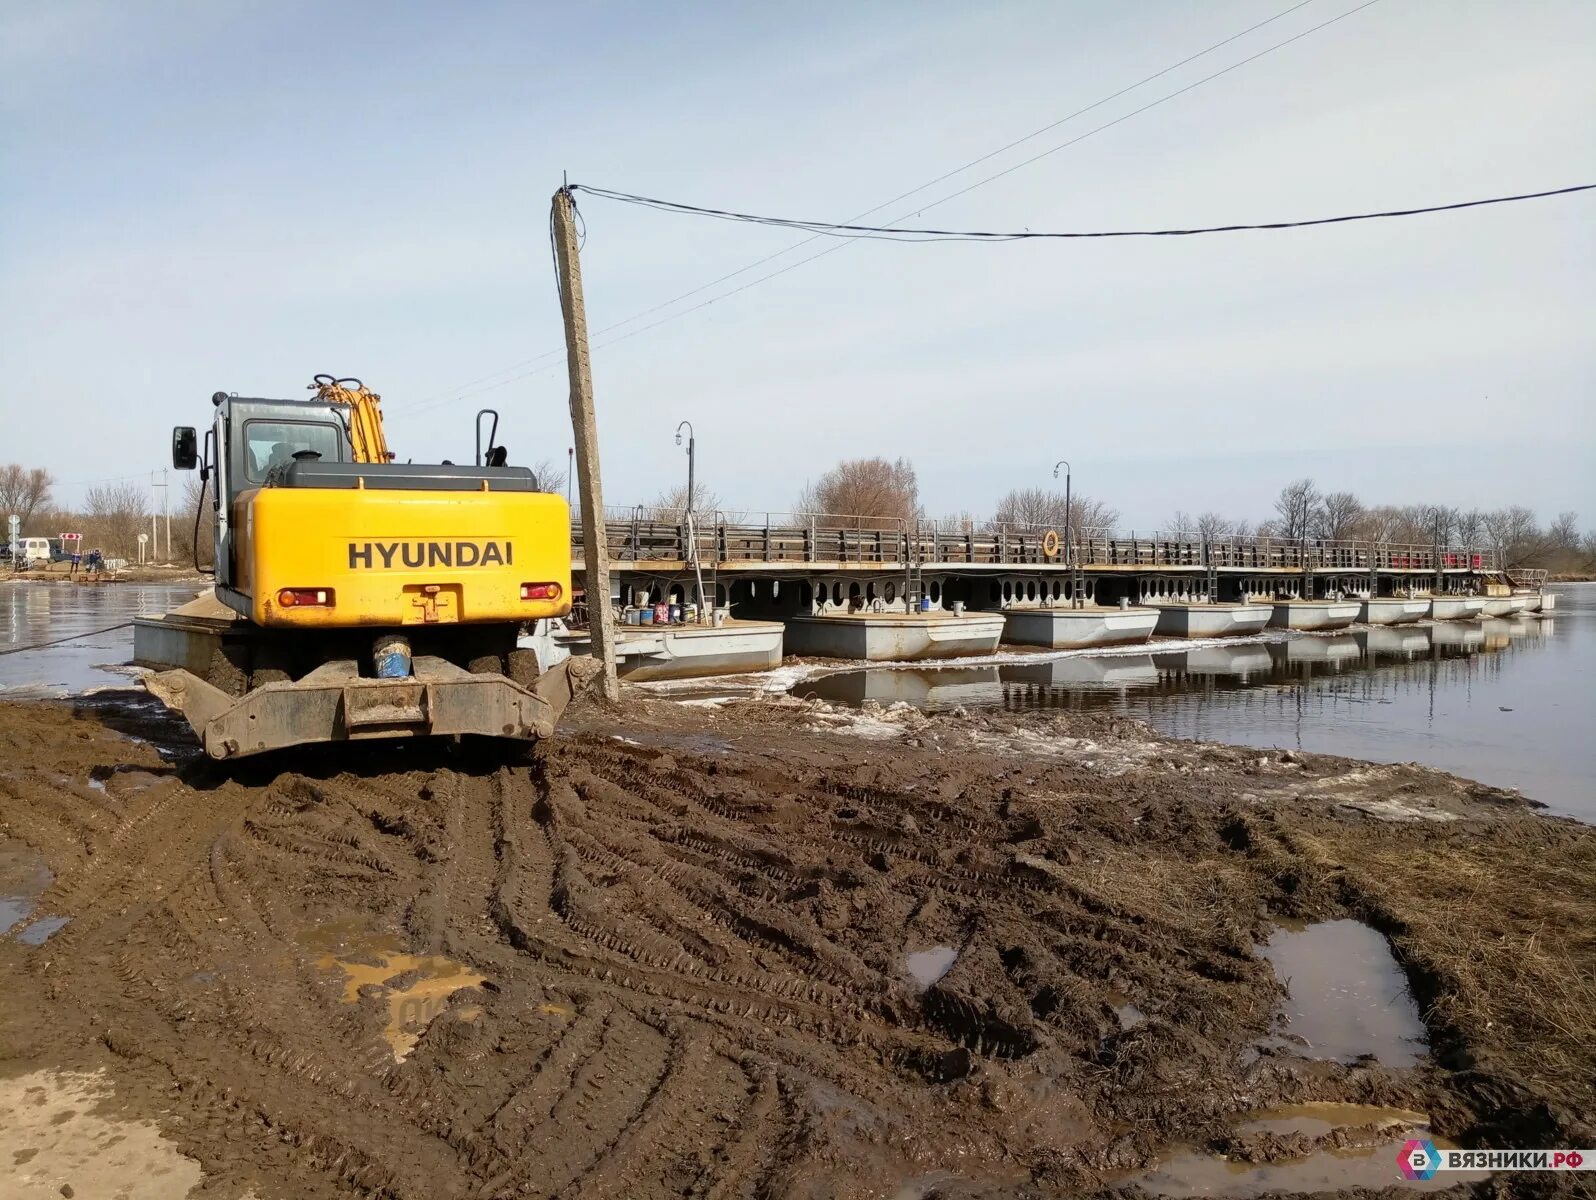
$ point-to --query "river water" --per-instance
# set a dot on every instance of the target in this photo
(1507, 702)
(90, 624)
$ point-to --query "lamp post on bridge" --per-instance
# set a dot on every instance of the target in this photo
(691, 443)
(1063, 462)
(692, 531)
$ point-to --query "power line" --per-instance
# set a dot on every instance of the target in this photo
(890, 233)
(536, 370)
(460, 391)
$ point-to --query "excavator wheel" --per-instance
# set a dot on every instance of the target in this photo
(523, 666)
(486, 664)
(229, 669)
(270, 667)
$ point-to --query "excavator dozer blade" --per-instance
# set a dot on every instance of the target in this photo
(334, 704)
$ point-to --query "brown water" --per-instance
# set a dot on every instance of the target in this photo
(23, 878)
(415, 987)
(1189, 1172)
(1508, 702)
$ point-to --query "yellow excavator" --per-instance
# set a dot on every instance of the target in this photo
(357, 597)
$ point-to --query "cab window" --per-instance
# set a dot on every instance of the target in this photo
(269, 444)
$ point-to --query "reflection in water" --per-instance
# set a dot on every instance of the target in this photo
(1506, 701)
(33, 613)
(1399, 654)
(1346, 995)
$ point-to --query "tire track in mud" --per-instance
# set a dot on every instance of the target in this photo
(695, 974)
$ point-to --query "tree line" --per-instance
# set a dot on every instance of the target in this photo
(1303, 512)
(888, 491)
(111, 517)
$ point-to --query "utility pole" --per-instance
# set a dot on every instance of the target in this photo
(166, 503)
(595, 549)
(155, 527)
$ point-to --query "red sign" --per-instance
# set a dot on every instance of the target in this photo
(71, 537)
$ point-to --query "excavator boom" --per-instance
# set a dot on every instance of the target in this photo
(366, 439)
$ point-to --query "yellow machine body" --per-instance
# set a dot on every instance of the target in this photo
(389, 558)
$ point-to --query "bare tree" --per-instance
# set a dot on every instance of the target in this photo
(114, 516)
(1378, 524)
(1469, 525)
(183, 525)
(1180, 521)
(1296, 504)
(959, 522)
(550, 477)
(1336, 516)
(1514, 534)
(1212, 526)
(1563, 533)
(670, 505)
(23, 491)
(1039, 506)
(867, 488)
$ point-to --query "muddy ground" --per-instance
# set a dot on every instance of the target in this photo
(667, 956)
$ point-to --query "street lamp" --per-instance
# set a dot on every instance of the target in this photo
(1063, 462)
(692, 532)
(688, 425)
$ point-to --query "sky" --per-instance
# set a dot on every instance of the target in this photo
(235, 196)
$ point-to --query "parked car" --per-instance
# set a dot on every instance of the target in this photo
(35, 551)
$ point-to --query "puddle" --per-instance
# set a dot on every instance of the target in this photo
(56, 1139)
(928, 966)
(428, 980)
(1194, 1173)
(1129, 1015)
(1347, 996)
(1319, 1117)
(42, 930)
(1191, 1172)
(23, 878)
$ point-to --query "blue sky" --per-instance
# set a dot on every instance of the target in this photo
(204, 196)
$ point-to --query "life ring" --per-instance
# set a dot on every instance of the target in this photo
(1050, 543)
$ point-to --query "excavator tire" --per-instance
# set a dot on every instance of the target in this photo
(269, 668)
(523, 667)
(486, 664)
(229, 669)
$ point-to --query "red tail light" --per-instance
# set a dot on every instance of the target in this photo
(540, 591)
(305, 598)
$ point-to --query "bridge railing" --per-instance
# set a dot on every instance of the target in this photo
(641, 533)
(810, 537)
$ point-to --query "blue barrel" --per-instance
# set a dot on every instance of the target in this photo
(645, 615)
(676, 614)
(392, 657)
(925, 603)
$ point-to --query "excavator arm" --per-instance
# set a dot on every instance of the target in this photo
(366, 438)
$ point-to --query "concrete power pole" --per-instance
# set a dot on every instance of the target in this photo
(590, 488)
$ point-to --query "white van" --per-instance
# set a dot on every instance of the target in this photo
(34, 550)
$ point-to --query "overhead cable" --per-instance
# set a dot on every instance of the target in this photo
(896, 234)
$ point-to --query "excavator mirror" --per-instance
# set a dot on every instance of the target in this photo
(185, 448)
